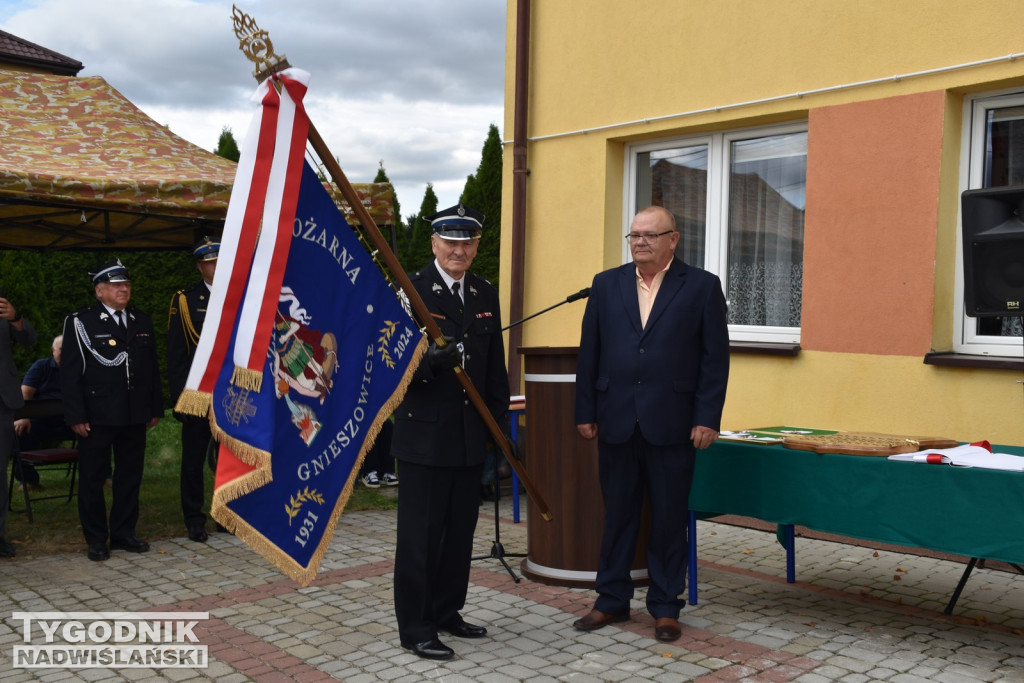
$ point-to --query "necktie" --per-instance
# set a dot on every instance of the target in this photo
(458, 297)
(120, 319)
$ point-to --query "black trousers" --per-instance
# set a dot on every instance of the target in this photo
(7, 443)
(437, 514)
(626, 470)
(195, 439)
(129, 448)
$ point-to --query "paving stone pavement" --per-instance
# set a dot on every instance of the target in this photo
(855, 614)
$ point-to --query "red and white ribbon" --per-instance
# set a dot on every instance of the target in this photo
(251, 262)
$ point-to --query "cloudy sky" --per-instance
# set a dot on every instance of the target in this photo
(411, 83)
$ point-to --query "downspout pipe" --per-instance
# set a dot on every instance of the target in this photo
(520, 171)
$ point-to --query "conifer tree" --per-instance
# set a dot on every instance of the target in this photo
(401, 238)
(226, 145)
(420, 253)
(483, 193)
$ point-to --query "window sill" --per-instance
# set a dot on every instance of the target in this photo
(764, 348)
(964, 360)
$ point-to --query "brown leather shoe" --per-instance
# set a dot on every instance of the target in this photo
(667, 629)
(595, 619)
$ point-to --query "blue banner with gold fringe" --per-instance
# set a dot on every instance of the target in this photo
(341, 355)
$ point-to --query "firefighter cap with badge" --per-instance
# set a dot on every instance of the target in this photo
(206, 249)
(111, 271)
(457, 223)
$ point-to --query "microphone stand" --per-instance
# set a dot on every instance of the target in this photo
(582, 294)
(497, 549)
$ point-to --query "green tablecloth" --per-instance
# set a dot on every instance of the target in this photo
(963, 511)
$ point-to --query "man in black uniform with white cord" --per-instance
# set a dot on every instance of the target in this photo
(110, 388)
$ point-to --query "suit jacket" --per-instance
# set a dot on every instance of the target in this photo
(435, 412)
(101, 386)
(667, 376)
(10, 379)
(184, 324)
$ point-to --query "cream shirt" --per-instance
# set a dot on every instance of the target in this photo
(645, 294)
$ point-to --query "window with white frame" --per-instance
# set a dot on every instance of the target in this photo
(994, 154)
(738, 199)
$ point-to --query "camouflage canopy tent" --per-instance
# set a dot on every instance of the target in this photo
(81, 167)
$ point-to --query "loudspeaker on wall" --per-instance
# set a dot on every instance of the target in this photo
(993, 250)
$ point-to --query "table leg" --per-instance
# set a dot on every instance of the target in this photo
(514, 433)
(960, 586)
(790, 553)
(692, 552)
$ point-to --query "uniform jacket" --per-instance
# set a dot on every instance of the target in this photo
(10, 380)
(668, 376)
(436, 410)
(99, 385)
(184, 323)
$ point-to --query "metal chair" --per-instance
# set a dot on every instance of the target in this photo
(44, 459)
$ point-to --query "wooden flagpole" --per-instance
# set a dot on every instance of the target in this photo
(256, 45)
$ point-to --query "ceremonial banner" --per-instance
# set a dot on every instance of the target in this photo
(341, 354)
(253, 252)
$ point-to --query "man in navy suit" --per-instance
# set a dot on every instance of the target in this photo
(439, 439)
(650, 386)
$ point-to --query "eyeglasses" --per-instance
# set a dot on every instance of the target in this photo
(646, 239)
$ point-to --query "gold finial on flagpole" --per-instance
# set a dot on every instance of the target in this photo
(255, 43)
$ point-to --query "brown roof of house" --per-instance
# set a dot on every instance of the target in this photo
(19, 52)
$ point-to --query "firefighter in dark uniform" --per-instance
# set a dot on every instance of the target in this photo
(110, 389)
(439, 440)
(184, 324)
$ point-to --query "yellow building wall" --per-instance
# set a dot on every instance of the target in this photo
(604, 74)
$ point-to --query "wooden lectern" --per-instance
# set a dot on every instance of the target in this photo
(563, 467)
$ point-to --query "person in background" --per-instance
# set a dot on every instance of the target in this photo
(378, 465)
(184, 325)
(110, 388)
(42, 381)
(439, 439)
(14, 329)
(650, 387)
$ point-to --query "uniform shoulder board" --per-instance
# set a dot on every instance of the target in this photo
(416, 276)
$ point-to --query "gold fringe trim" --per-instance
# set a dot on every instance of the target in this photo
(194, 402)
(231, 521)
(245, 378)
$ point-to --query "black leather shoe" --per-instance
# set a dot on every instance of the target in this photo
(6, 549)
(464, 630)
(132, 545)
(430, 649)
(98, 552)
(197, 534)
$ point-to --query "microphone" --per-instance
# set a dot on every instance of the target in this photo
(582, 294)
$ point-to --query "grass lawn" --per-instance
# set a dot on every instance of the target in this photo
(56, 528)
